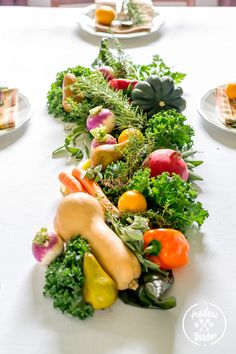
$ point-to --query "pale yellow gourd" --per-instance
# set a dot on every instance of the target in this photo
(105, 154)
(82, 214)
(67, 91)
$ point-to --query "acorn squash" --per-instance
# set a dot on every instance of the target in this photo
(157, 93)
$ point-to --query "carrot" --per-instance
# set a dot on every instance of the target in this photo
(93, 189)
(71, 183)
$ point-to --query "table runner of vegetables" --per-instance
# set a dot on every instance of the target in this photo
(127, 205)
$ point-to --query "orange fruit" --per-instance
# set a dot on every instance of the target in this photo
(231, 90)
(132, 201)
(126, 134)
(105, 15)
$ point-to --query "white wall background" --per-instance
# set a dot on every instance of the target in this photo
(48, 2)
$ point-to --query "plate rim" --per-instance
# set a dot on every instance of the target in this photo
(216, 122)
(89, 29)
(27, 117)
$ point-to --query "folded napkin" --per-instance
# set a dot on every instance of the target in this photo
(143, 8)
(226, 107)
(8, 105)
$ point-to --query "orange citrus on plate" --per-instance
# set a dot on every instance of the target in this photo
(231, 90)
(105, 15)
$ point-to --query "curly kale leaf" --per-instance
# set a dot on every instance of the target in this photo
(167, 129)
(172, 201)
(64, 280)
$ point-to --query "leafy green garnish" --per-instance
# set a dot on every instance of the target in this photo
(168, 129)
(125, 68)
(171, 200)
(94, 173)
(156, 67)
(132, 236)
(64, 280)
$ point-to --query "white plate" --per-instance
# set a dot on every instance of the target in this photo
(23, 114)
(87, 23)
(209, 111)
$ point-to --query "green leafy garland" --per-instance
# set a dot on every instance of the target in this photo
(172, 202)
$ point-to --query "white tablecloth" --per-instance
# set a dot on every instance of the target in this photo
(36, 44)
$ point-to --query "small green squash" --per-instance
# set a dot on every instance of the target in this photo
(157, 93)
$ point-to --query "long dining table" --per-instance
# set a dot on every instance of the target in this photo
(35, 44)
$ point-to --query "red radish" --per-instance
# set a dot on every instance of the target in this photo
(101, 117)
(101, 137)
(166, 160)
(46, 246)
(122, 84)
(107, 72)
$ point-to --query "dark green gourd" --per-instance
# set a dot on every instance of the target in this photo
(157, 93)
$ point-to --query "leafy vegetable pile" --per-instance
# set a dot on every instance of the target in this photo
(141, 106)
(65, 279)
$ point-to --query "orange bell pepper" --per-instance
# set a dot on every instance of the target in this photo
(173, 248)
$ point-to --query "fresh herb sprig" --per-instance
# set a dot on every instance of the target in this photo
(117, 59)
(156, 67)
(95, 88)
(124, 67)
(132, 236)
(134, 13)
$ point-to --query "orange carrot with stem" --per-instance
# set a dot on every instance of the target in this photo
(71, 183)
(93, 189)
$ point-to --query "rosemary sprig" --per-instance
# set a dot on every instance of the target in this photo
(134, 13)
(96, 89)
(117, 59)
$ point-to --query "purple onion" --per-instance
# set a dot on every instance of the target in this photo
(107, 72)
(101, 117)
(46, 246)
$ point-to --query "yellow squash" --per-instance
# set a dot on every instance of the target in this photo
(82, 214)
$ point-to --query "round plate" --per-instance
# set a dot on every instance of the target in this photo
(209, 111)
(87, 23)
(23, 114)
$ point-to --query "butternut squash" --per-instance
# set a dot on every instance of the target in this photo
(70, 79)
(82, 214)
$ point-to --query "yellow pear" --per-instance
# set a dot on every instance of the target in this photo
(99, 288)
